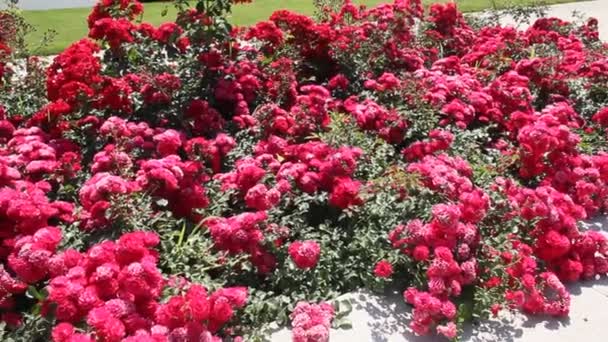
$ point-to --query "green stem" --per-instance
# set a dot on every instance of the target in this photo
(181, 235)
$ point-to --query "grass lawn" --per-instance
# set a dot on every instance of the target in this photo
(70, 24)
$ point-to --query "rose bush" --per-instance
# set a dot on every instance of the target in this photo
(195, 181)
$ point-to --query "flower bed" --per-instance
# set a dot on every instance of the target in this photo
(194, 181)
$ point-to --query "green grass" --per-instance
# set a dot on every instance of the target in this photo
(70, 24)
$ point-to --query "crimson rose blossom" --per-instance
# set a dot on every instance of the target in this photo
(305, 254)
(383, 269)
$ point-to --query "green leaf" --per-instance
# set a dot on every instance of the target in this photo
(346, 325)
(342, 323)
(344, 307)
(33, 292)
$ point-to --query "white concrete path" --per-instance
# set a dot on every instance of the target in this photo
(51, 4)
(597, 9)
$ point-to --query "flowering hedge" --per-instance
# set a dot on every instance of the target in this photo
(194, 181)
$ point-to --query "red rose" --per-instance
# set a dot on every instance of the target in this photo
(345, 193)
(421, 253)
(383, 269)
(305, 254)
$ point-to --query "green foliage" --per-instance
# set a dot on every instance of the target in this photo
(20, 30)
(592, 141)
(422, 120)
(128, 213)
(589, 97)
(378, 154)
(246, 140)
(24, 93)
(324, 8)
(188, 252)
(487, 162)
(35, 328)
(217, 11)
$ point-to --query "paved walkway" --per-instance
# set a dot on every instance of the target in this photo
(52, 4)
(385, 318)
(597, 9)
